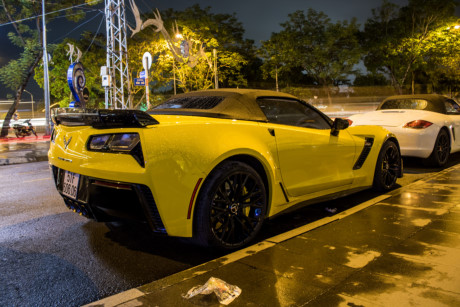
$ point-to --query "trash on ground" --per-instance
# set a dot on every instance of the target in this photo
(225, 292)
(331, 210)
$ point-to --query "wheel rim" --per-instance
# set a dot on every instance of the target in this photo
(442, 148)
(390, 166)
(237, 208)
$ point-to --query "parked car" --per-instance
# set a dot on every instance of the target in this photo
(212, 165)
(426, 126)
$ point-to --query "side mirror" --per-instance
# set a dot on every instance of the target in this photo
(339, 124)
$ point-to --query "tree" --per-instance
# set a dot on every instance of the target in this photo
(273, 63)
(222, 32)
(93, 57)
(370, 79)
(28, 36)
(442, 53)
(325, 51)
(396, 40)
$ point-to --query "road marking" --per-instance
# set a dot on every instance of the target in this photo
(39, 179)
(31, 172)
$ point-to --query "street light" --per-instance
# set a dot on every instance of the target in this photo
(46, 76)
(179, 37)
(32, 101)
(216, 79)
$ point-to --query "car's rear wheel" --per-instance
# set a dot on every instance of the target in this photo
(231, 206)
(388, 167)
(441, 150)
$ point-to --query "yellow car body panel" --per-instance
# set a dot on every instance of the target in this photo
(171, 170)
(298, 164)
(172, 167)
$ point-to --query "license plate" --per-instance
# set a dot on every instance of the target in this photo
(70, 184)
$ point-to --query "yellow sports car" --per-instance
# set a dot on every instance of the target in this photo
(212, 165)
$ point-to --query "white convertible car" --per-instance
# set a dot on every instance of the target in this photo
(427, 126)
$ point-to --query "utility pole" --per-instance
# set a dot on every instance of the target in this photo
(216, 79)
(117, 56)
(46, 76)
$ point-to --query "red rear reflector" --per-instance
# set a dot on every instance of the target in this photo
(418, 124)
(189, 214)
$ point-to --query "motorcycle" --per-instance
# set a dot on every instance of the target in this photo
(24, 129)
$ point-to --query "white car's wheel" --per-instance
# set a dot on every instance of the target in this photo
(441, 150)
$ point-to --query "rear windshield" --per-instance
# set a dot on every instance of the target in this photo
(197, 102)
(409, 103)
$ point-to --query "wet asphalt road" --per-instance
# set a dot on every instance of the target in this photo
(50, 256)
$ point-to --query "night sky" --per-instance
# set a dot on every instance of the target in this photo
(262, 17)
(259, 17)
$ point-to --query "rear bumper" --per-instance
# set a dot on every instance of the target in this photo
(104, 200)
(416, 142)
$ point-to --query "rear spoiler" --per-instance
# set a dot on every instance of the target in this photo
(102, 119)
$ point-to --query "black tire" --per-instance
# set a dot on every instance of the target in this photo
(388, 167)
(231, 206)
(441, 150)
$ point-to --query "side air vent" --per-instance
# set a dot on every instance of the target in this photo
(363, 156)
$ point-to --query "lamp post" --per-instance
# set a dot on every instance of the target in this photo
(216, 79)
(174, 75)
(31, 101)
(46, 77)
(179, 37)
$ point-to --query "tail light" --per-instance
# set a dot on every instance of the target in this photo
(125, 143)
(350, 122)
(418, 124)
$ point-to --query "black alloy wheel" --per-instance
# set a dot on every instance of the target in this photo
(231, 206)
(441, 150)
(388, 167)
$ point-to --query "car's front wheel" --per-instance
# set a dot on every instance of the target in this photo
(231, 206)
(441, 150)
(388, 167)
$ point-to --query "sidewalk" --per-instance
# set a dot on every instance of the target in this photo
(399, 249)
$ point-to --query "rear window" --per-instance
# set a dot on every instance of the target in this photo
(198, 102)
(412, 104)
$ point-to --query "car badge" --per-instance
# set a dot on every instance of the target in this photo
(66, 142)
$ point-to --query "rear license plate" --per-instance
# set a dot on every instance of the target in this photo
(70, 184)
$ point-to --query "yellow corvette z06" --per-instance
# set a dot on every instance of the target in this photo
(212, 165)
